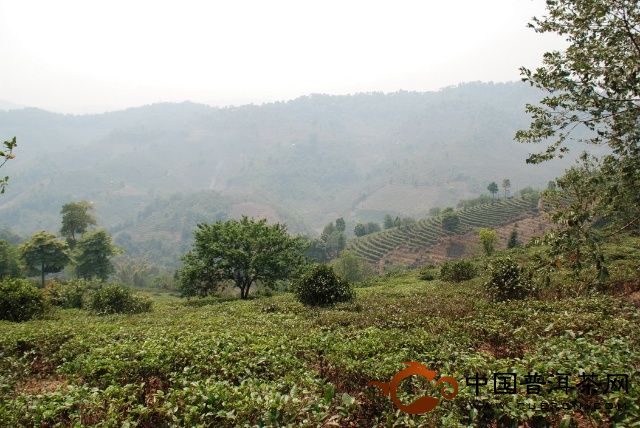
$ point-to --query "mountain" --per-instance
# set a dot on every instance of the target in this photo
(308, 160)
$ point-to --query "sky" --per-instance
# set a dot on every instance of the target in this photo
(91, 56)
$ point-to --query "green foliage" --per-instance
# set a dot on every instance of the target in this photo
(70, 293)
(6, 154)
(513, 242)
(76, 218)
(508, 281)
(470, 203)
(92, 255)
(457, 270)
(450, 221)
(351, 268)
(363, 229)
(360, 229)
(320, 286)
(492, 188)
(340, 225)
(427, 273)
(20, 300)
(593, 91)
(388, 222)
(241, 251)
(488, 239)
(44, 254)
(9, 260)
(117, 299)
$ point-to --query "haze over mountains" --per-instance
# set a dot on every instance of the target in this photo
(154, 171)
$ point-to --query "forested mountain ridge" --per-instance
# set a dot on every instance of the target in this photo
(311, 159)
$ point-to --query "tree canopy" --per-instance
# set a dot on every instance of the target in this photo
(6, 155)
(92, 255)
(242, 252)
(593, 96)
(76, 218)
(44, 254)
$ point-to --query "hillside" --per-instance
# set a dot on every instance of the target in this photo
(427, 242)
(316, 157)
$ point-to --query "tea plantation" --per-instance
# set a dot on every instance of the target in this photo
(271, 361)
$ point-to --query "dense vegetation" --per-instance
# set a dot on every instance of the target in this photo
(186, 364)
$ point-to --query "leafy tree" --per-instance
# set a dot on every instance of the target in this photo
(397, 222)
(316, 250)
(450, 221)
(335, 243)
(9, 260)
(593, 97)
(388, 222)
(327, 231)
(488, 238)
(372, 227)
(513, 239)
(241, 251)
(44, 254)
(340, 224)
(93, 253)
(351, 267)
(360, 230)
(493, 189)
(76, 218)
(506, 185)
(7, 155)
(551, 185)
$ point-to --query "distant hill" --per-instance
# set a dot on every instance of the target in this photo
(314, 158)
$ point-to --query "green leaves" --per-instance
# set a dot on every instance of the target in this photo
(242, 252)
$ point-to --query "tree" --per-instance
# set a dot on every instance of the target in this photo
(76, 218)
(372, 227)
(315, 250)
(9, 260)
(506, 185)
(7, 154)
(449, 221)
(243, 252)
(513, 239)
(397, 222)
(360, 230)
(493, 189)
(351, 268)
(335, 243)
(388, 222)
(44, 254)
(93, 253)
(488, 238)
(551, 185)
(340, 224)
(593, 97)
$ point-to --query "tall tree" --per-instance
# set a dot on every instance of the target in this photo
(93, 254)
(506, 185)
(76, 218)
(44, 254)
(388, 221)
(360, 229)
(243, 252)
(6, 155)
(488, 239)
(340, 224)
(593, 97)
(9, 260)
(493, 189)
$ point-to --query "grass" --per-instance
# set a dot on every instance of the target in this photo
(272, 362)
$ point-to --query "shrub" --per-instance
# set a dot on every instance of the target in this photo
(427, 274)
(320, 286)
(459, 270)
(20, 300)
(68, 294)
(508, 281)
(115, 298)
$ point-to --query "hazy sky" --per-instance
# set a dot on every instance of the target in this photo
(90, 56)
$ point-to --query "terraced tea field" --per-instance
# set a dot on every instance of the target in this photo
(426, 241)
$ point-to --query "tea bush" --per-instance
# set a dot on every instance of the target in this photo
(508, 281)
(115, 298)
(68, 294)
(320, 286)
(457, 270)
(427, 274)
(20, 300)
